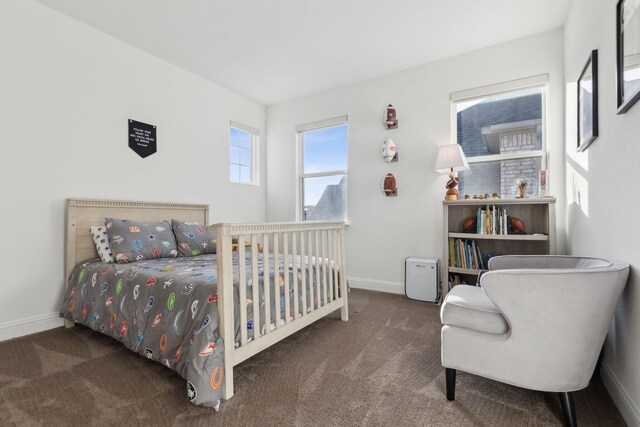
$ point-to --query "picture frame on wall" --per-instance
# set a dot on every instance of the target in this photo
(627, 54)
(588, 102)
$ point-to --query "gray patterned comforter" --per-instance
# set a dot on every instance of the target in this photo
(166, 310)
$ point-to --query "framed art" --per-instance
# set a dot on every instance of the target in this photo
(628, 53)
(588, 102)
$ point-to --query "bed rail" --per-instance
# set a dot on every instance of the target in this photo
(313, 247)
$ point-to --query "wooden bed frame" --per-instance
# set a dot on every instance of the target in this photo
(317, 246)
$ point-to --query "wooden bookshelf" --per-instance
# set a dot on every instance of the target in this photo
(538, 215)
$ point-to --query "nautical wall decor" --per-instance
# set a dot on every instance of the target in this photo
(389, 151)
(142, 138)
(390, 118)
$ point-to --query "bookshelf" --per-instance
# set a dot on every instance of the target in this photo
(538, 215)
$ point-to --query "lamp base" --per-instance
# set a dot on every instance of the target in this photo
(452, 194)
(452, 191)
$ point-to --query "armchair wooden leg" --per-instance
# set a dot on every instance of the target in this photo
(451, 383)
(566, 399)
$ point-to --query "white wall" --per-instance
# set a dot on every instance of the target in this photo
(66, 92)
(602, 201)
(384, 231)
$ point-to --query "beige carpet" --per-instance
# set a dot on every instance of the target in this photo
(382, 368)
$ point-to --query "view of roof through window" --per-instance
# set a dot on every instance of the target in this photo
(324, 173)
(507, 127)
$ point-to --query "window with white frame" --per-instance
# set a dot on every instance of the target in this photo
(243, 154)
(322, 170)
(502, 131)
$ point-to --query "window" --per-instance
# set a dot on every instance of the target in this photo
(243, 154)
(501, 129)
(323, 170)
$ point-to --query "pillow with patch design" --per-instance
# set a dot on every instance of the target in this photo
(100, 238)
(194, 239)
(134, 241)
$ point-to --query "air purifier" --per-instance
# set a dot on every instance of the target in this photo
(421, 278)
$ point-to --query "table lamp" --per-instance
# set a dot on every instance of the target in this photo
(450, 160)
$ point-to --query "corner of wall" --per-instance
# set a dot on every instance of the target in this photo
(628, 408)
(29, 326)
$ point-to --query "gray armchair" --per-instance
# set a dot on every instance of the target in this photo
(536, 322)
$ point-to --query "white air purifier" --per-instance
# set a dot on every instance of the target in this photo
(421, 278)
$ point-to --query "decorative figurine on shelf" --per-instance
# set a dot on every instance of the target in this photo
(389, 187)
(470, 225)
(389, 152)
(390, 119)
(517, 225)
(542, 183)
(467, 197)
(522, 188)
(495, 196)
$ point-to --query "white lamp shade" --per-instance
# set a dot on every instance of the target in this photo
(451, 157)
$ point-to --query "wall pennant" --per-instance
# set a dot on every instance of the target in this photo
(142, 138)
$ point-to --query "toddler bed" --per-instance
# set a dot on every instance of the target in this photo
(197, 315)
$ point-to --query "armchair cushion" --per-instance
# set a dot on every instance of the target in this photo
(469, 307)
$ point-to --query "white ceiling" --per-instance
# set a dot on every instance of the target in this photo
(276, 50)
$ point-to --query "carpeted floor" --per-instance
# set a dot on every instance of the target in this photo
(382, 368)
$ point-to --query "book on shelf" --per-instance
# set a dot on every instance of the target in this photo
(465, 259)
(454, 280)
(464, 253)
(480, 259)
(492, 219)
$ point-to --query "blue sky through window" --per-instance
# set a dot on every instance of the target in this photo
(325, 149)
(240, 138)
(240, 156)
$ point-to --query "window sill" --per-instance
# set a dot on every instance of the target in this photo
(249, 184)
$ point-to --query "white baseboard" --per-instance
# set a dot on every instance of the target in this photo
(376, 285)
(627, 407)
(30, 325)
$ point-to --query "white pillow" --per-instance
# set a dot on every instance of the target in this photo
(99, 236)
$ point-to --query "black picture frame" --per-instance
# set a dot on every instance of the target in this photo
(628, 91)
(588, 102)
